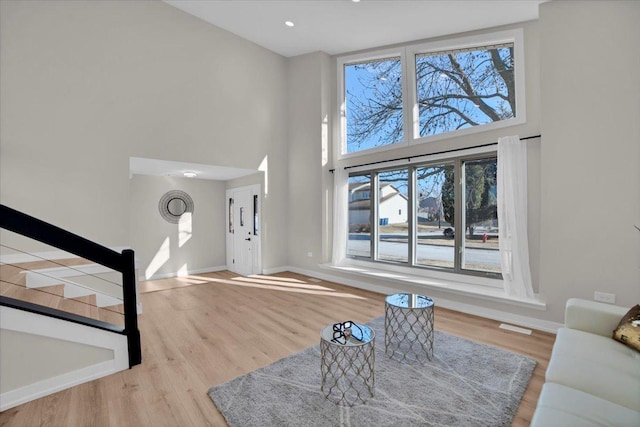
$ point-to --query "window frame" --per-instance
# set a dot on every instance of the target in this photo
(510, 36)
(410, 111)
(342, 103)
(375, 213)
(495, 279)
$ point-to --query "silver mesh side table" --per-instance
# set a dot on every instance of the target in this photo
(408, 328)
(347, 369)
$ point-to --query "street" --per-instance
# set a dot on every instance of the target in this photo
(439, 255)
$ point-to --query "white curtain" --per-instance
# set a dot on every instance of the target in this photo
(340, 214)
(512, 216)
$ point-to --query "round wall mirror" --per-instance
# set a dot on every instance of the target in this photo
(174, 204)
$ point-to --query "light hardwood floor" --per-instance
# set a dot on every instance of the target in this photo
(207, 329)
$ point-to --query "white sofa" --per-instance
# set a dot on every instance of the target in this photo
(592, 380)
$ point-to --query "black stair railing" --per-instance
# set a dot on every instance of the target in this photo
(28, 226)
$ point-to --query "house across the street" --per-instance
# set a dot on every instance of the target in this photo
(392, 208)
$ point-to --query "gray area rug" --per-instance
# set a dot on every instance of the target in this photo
(466, 384)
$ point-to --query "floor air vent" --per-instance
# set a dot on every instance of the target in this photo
(515, 329)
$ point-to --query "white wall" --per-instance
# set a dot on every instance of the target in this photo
(87, 84)
(23, 361)
(308, 117)
(42, 355)
(194, 245)
(590, 151)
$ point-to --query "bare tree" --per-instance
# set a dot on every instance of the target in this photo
(454, 90)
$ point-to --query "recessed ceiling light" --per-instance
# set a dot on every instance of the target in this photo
(190, 174)
(356, 1)
(288, 23)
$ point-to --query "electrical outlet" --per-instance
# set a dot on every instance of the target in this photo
(309, 254)
(605, 297)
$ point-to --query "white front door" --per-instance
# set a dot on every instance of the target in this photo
(242, 232)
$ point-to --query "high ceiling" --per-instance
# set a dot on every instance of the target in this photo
(335, 27)
(339, 26)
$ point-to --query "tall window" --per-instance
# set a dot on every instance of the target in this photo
(428, 217)
(434, 243)
(373, 96)
(464, 88)
(393, 218)
(480, 216)
(359, 242)
(441, 89)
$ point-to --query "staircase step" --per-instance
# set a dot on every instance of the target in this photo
(53, 296)
(53, 288)
(113, 314)
(82, 306)
(15, 272)
(103, 300)
(48, 276)
(12, 274)
(72, 290)
(48, 297)
(108, 292)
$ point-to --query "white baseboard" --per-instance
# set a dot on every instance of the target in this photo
(187, 273)
(498, 315)
(277, 270)
(502, 316)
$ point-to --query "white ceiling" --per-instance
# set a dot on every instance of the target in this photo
(142, 166)
(339, 26)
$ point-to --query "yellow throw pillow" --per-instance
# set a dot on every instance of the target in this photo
(628, 330)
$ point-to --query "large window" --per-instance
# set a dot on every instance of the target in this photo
(430, 91)
(434, 243)
(464, 88)
(393, 215)
(373, 97)
(480, 245)
(359, 242)
(439, 215)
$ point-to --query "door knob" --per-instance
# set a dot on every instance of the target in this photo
(248, 239)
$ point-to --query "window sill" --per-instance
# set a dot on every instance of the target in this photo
(476, 287)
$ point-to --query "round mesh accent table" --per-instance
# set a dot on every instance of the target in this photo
(346, 365)
(408, 328)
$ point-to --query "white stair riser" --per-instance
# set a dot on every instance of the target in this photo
(102, 300)
(38, 281)
(106, 301)
(75, 291)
